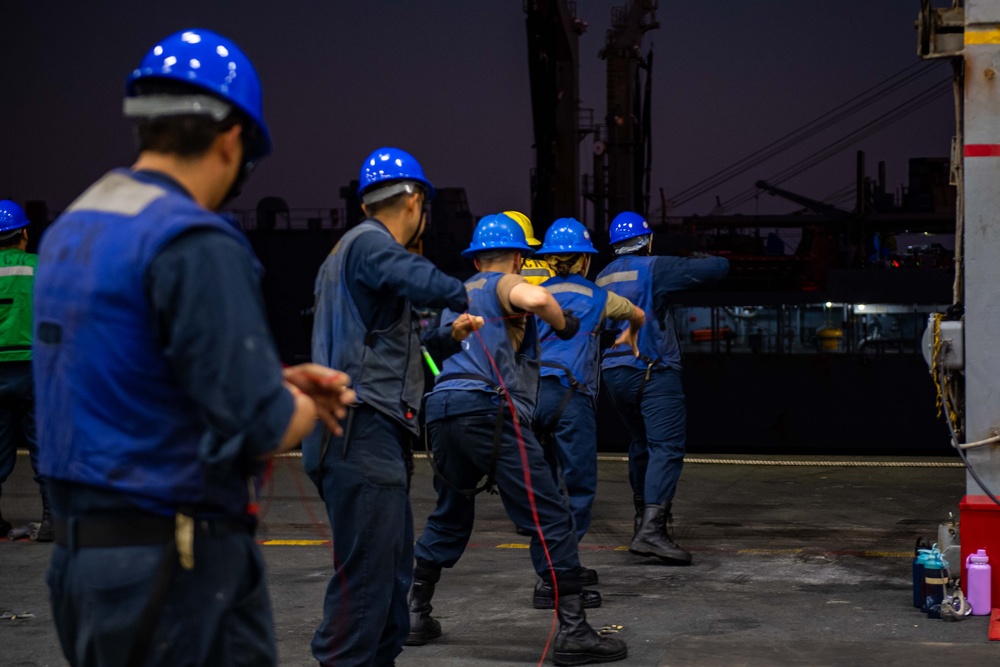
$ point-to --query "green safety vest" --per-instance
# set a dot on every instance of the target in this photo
(17, 280)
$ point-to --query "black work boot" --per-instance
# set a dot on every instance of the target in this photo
(423, 628)
(577, 643)
(639, 504)
(5, 526)
(588, 576)
(545, 599)
(652, 540)
(46, 533)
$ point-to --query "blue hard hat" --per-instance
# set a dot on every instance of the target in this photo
(12, 217)
(391, 164)
(628, 225)
(207, 60)
(565, 236)
(497, 232)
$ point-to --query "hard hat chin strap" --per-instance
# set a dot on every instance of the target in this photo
(418, 232)
(237, 186)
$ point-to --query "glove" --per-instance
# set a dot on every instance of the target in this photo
(607, 338)
(572, 326)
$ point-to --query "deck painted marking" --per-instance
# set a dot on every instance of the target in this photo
(871, 553)
(973, 36)
(845, 463)
(888, 554)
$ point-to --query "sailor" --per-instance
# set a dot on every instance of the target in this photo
(365, 324)
(570, 368)
(478, 417)
(646, 390)
(158, 382)
(17, 391)
(533, 268)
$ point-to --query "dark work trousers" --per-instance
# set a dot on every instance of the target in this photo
(216, 615)
(575, 440)
(365, 616)
(17, 417)
(656, 422)
(462, 447)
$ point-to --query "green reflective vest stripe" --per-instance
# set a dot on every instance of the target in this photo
(17, 279)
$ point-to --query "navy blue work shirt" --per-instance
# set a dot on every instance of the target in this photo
(672, 274)
(205, 296)
(385, 275)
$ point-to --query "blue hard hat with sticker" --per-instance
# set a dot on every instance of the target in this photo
(565, 236)
(628, 225)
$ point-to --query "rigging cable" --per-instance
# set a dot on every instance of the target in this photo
(806, 131)
(895, 114)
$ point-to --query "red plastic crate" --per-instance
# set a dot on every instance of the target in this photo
(979, 526)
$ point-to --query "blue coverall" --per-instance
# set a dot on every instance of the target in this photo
(362, 475)
(461, 417)
(570, 370)
(201, 354)
(647, 391)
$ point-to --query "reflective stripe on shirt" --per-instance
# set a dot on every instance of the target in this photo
(617, 277)
(570, 287)
(475, 284)
(16, 271)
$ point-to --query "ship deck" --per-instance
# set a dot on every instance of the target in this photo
(797, 561)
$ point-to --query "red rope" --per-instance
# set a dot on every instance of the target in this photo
(268, 482)
(526, 471)
(342, 619)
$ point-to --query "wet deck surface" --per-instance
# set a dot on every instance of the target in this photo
(793, 565)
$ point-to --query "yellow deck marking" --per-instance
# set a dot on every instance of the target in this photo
(888, 554)
(982, 36)
(871, 553)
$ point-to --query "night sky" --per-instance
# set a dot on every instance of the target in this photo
(448, 81)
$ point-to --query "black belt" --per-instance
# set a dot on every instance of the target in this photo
(143, 530)
(138, 530)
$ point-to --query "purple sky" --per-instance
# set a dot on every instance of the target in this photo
(448, 81)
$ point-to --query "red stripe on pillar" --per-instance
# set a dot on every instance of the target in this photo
(982, 150)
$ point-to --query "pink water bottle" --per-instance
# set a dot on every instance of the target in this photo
(978, 582)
